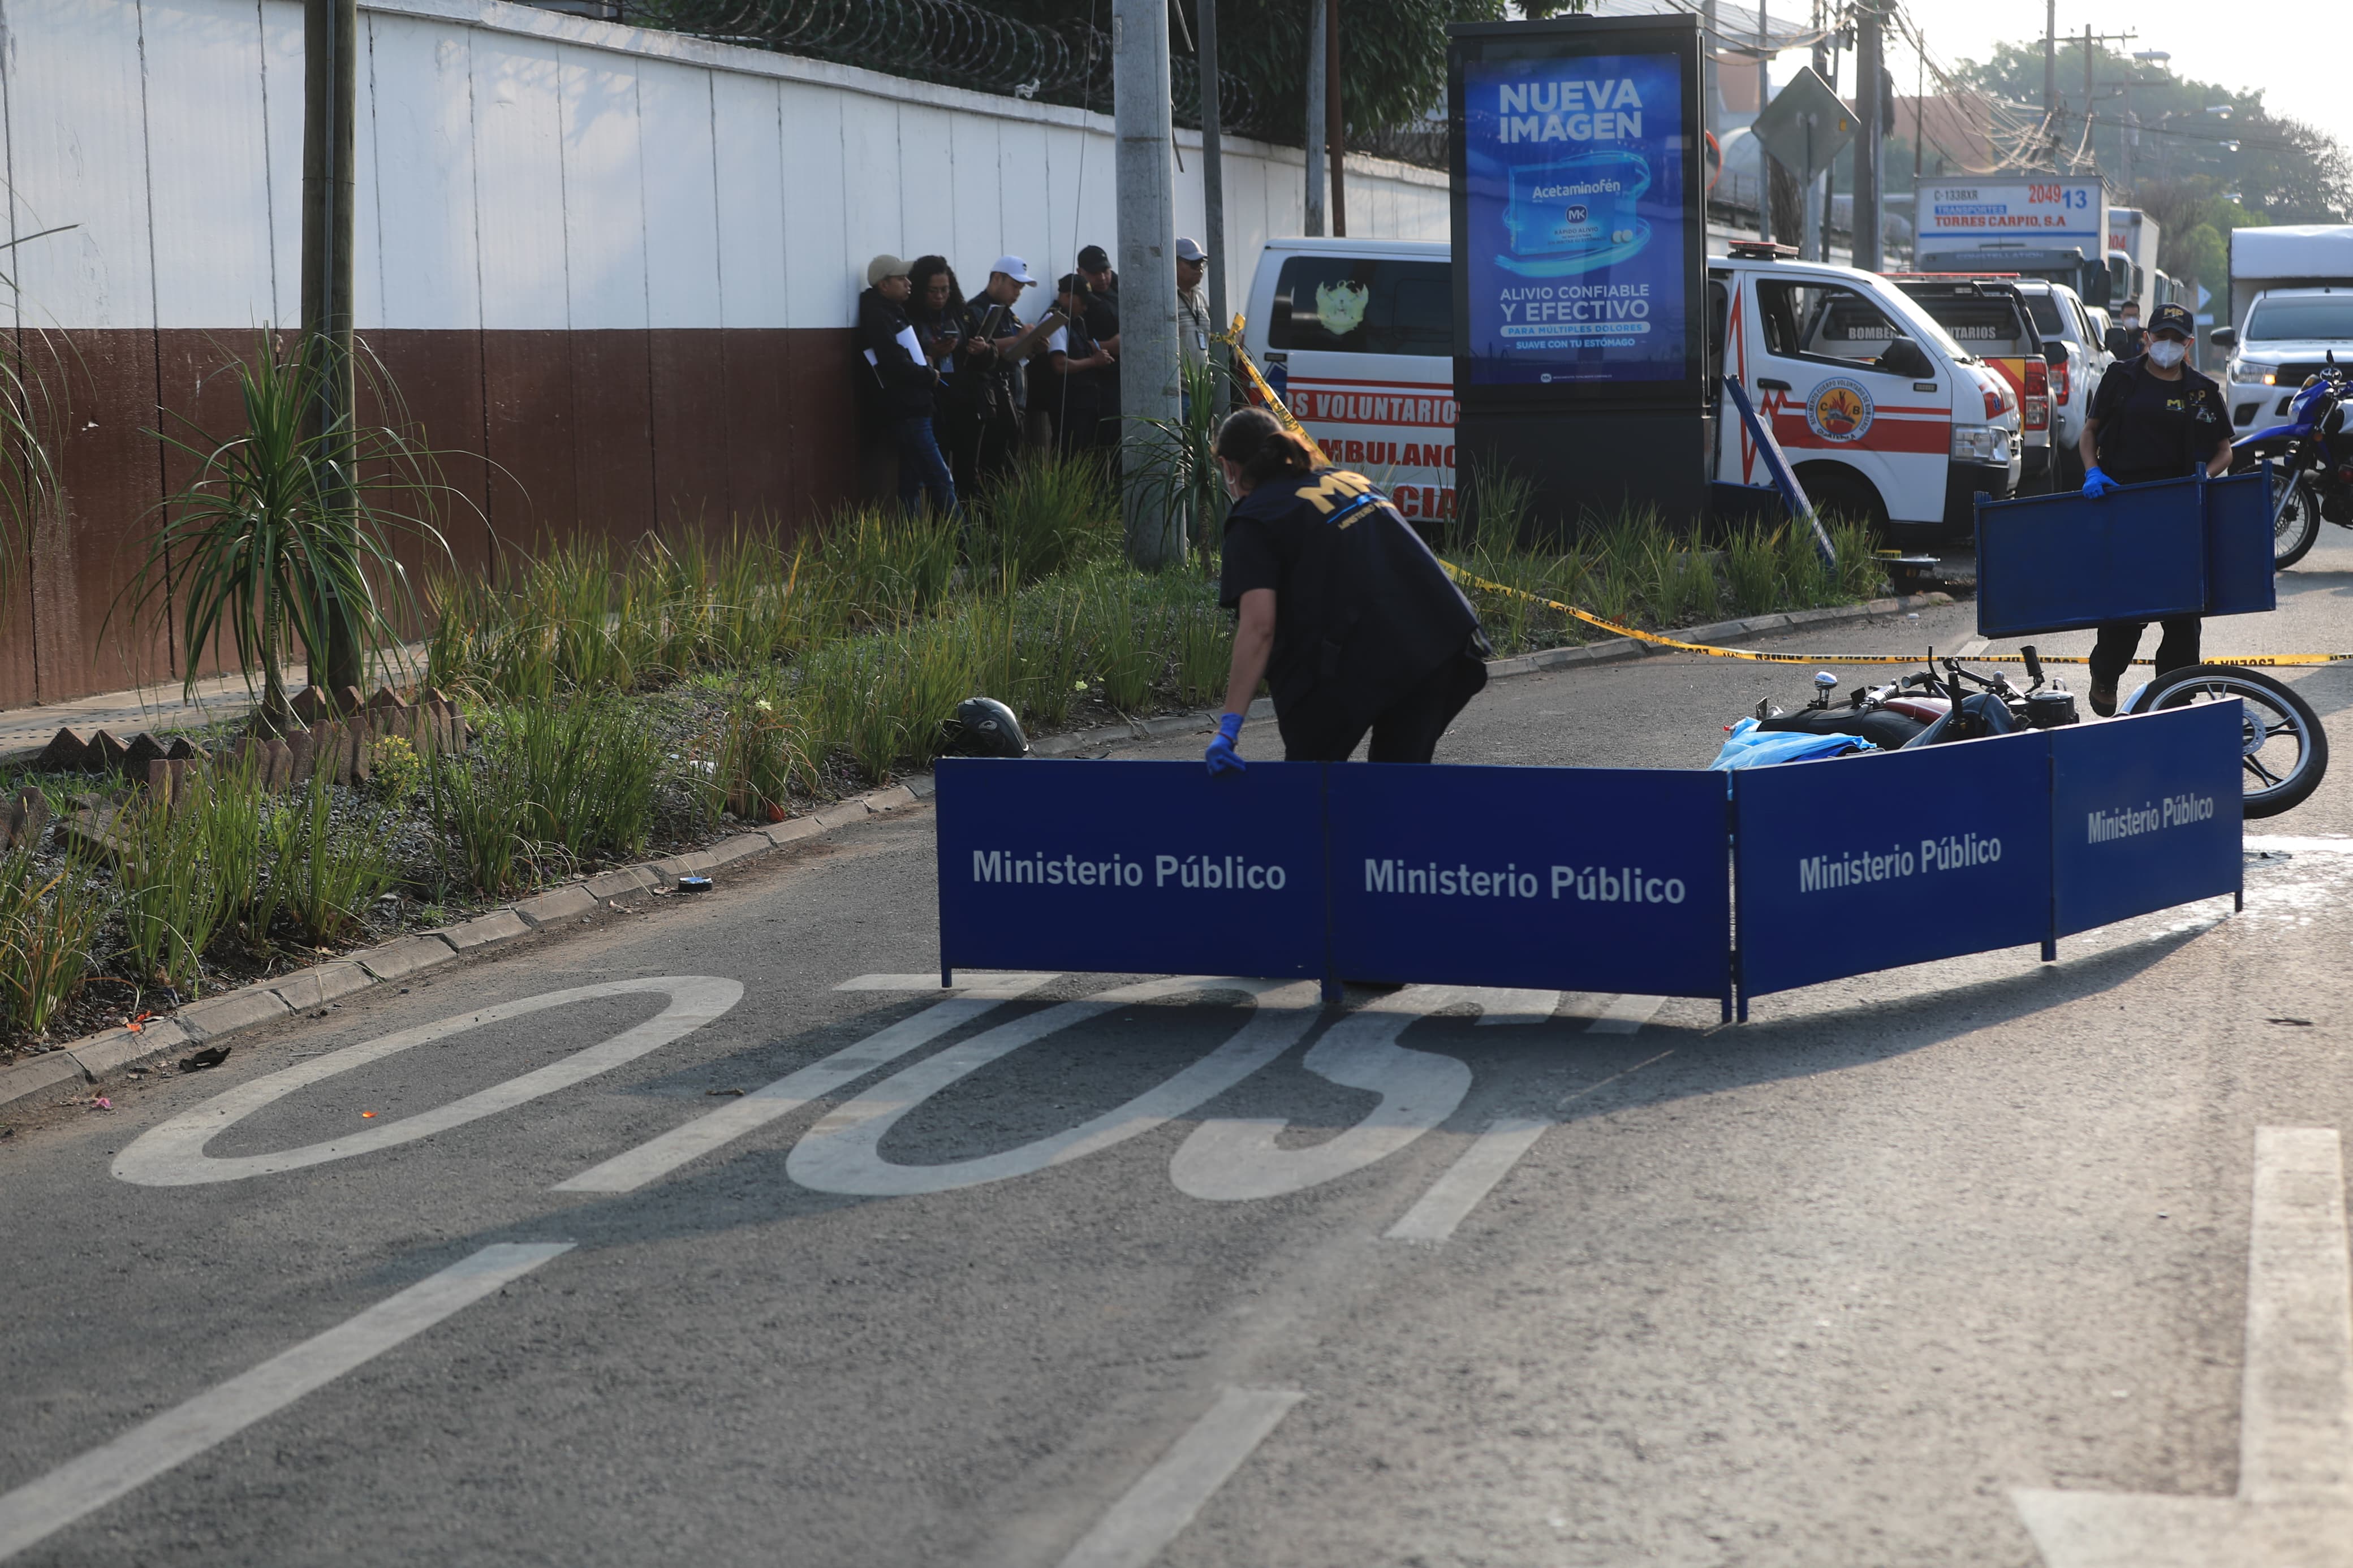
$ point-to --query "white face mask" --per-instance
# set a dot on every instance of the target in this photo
(2130, 323)
(2166, 354)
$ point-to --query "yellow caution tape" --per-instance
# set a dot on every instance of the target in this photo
(2275, 660)
(1274, 406)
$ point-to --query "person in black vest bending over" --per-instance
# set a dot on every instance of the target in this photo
(1344, 610)
(2153, 418)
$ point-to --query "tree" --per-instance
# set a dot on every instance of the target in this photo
(2164, 128)
(1392, 52)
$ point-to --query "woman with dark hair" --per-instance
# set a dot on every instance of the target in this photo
(943, 325)
(1342, 609)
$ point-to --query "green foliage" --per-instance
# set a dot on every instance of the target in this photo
(169, 901)
(325, 875)
(2284, 170)
(1050, 513)
(1179, 480)
(47, 922)
(395, 770)
(273, 543)
(483, 811)
(760, 754)
(588, 772)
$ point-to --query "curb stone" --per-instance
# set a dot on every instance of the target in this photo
(59, 1075)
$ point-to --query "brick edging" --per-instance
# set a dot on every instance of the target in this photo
(61, 1074)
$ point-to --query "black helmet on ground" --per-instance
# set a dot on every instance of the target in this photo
(984, 727)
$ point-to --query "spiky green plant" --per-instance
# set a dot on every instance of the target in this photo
(276, 542)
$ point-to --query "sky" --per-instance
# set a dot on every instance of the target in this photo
(2246, 44)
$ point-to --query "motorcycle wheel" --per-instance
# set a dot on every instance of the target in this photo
(2298, 527)
(2285, 752)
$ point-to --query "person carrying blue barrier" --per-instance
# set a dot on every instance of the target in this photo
(1342, 608)
(2153, 417)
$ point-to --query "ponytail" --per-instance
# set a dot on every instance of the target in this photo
(1253, 440)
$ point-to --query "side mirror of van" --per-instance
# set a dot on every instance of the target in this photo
(1905, 358)
(2223, 337)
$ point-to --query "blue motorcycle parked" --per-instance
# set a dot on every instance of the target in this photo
(2312, 466)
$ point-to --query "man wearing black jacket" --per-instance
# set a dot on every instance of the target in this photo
(894, 359)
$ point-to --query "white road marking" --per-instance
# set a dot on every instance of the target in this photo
(1486, 1162)
(1164, 1501)
(1626, 1015)
(1500, 1006)
(2294, 1502)
(629, 1171)
(172, 1155)
(84, 1485)
(842, 1153)
(1972, 648)
(982, 980)
(1233, 1159)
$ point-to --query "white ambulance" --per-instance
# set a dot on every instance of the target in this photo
(1881, 413)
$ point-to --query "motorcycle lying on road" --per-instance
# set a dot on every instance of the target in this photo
(2284, 753)
(2312, 464)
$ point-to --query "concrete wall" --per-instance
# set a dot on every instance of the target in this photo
(611, 271)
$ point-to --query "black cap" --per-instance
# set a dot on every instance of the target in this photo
(1069, 283)
(2173, 318)
(1094, 258)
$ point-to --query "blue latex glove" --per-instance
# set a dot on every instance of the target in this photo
(2098, 484)
(1220, 757)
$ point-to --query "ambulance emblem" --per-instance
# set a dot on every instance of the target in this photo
(1839, 410)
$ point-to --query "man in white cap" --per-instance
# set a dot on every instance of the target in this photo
(1194, 328)
(1003, 396)
(894, 357)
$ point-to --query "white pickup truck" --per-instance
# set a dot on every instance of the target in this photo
(2291, 309)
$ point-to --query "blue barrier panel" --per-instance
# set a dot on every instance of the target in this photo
(2240, 577)
(2049, 564)
(1131, 868)
(1862, 863)
(1575, 878)
(2144, 814)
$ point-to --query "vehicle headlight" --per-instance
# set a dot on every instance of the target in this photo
(2248, 373)
(1980, 444)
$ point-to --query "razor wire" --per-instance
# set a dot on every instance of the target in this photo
(954, 43)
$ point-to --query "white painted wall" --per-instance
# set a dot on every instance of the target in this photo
(519, 169)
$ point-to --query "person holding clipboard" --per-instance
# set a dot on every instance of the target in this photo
(906, 382)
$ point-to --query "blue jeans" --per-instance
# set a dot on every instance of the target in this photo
(922, 469)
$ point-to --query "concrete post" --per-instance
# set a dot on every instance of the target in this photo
(330, 30)
(1869, 150)
(1213, 181)
(1149, 379)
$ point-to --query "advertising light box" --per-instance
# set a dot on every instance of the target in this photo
(1578, 242)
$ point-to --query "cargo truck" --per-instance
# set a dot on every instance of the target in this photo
(2291, 310)
(2132, 251)
(2052, 226)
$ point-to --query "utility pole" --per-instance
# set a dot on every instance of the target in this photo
(1764, 159)
(1919, 122)
(1869, 149)
(330, 30)
(1149, 380)
(1213, 184)
(1336, 118)
(2051, 77)
(1317, 127)
(1815, 240)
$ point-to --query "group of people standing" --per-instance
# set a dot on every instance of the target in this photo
(966, 383)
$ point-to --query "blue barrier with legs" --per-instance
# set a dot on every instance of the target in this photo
(2179, 547)
(1649, 881)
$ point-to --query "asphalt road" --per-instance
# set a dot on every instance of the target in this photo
(1832, 1287)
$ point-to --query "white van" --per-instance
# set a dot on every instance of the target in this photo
(1358, 336)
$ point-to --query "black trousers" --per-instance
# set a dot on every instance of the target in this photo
(1407, 730)
(2113, 650)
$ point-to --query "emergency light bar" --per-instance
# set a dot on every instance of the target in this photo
(1760, 250)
